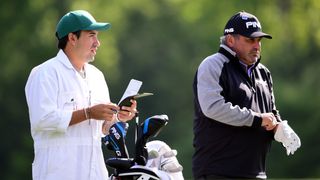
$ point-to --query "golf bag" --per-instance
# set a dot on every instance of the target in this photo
(151, 160)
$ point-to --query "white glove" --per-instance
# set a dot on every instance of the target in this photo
(287, 137)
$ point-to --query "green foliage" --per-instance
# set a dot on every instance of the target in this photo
(162, 42)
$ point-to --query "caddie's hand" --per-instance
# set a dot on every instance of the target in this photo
(289, 139)
(269, 121)
(104, 111)
(128, 113)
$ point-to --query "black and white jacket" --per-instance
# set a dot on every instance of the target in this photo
(228, 137)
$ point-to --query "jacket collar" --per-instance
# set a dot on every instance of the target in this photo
(63, 58)
(225, 50)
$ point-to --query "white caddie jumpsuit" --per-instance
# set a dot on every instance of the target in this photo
(54, 90)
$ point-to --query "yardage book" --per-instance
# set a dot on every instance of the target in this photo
(132, 92)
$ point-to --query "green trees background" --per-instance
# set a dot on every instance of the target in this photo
(161, 42)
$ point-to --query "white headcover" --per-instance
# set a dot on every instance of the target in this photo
(162, 157)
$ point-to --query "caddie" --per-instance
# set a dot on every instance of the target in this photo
(69, 105)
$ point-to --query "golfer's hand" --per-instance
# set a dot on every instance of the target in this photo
(128, 113)
(268, 121)
(104, 111)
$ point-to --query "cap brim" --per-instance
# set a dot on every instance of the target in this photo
(260, 34)
(98, 26)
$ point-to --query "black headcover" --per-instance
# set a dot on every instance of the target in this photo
(149, 128)
(115, 141)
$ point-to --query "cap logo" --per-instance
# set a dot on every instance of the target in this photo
(230, 30)
(244, 17)
(254, 24)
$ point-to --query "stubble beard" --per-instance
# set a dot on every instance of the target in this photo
(90, 59)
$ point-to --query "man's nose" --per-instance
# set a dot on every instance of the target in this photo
(257, 45)
(97, 42)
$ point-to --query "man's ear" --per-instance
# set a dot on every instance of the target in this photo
(72, 38)
(230, 40)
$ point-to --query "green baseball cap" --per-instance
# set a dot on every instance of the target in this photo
(76, 21)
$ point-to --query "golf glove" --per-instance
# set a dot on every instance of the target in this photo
(289, 139)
